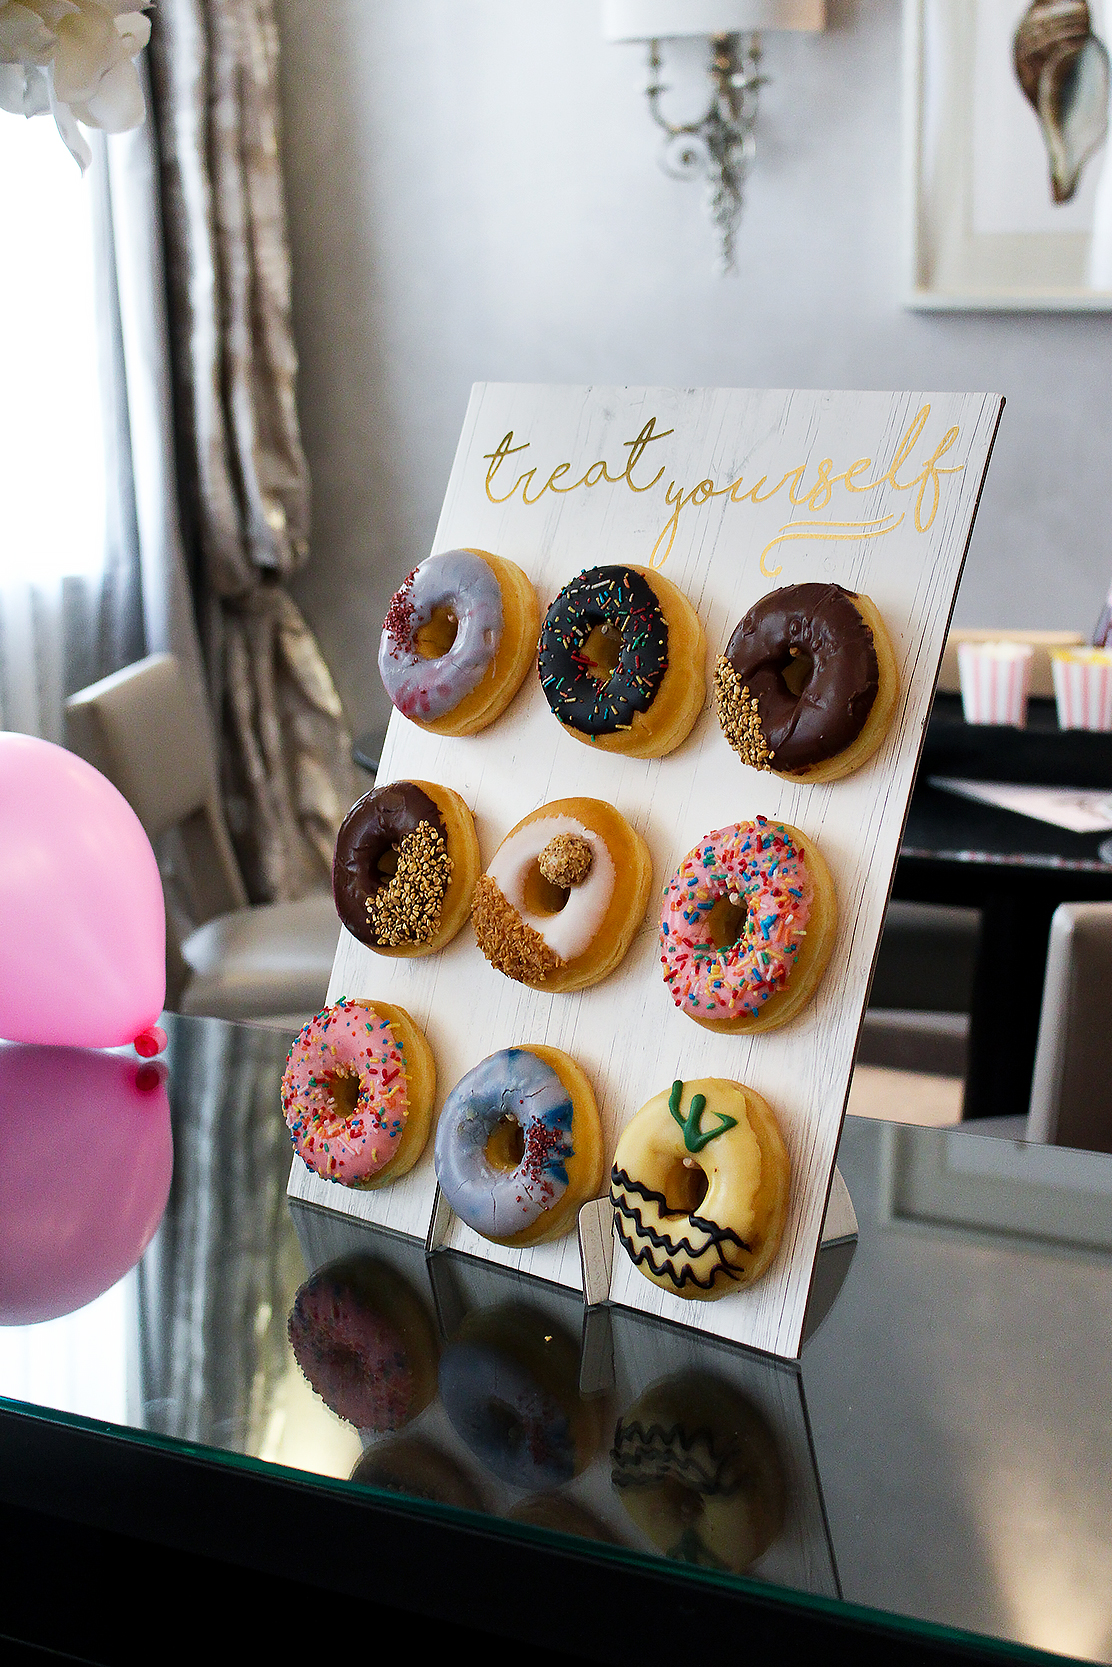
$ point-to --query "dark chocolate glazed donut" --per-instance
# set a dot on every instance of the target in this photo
(382, 820)
(618, 598)
(773, 726)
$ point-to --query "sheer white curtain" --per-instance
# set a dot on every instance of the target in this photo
(91, 568)
(69, 599)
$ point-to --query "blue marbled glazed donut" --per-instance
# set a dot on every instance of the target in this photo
(499, 1203)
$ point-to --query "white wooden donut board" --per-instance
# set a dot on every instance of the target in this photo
(849, 495)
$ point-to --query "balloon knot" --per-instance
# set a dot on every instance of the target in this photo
(150, 1042)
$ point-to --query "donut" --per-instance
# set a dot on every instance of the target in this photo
(567, 889)
(459, 636)
(700, 1188)
(357, 1093)
(808, 683)
(414, 1466)
(404, 868)
(697, 1468)
(562, 1515)
(519, 1146)
(622, 661)
(509, 1383)
(748, 924)
(365, 1343)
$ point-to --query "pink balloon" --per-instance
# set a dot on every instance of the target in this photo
(82, 921)
(86, 1157)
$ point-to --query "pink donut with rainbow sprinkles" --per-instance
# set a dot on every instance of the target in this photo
(357, 1093)
(747, 927)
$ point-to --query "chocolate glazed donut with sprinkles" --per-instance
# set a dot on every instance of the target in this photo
(622, 661)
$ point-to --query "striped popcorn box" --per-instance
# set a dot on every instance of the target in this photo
(995, 677)
(1083, 687)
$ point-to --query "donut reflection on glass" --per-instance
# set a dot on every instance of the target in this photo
(562, 1515)
(509, 1382)
(697, 1468)
(621, 661)
(700, 1188)
(404, 868)
(807, 685)
(748, 925)
(567, 889)
(459, 637)
(519, 1146)
(413, 1465)
(357, 1093)
(365, 1343)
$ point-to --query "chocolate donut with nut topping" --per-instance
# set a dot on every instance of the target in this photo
(807, 685)
(405, 865)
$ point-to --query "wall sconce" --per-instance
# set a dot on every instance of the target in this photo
(719, 147)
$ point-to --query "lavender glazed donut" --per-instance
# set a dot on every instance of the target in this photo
(459, 636)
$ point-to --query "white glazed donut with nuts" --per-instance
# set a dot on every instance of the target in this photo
(566, 891)
(570, 857)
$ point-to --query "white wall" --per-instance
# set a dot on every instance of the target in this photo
(474, 195)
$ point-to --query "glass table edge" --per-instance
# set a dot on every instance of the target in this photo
(482, 1525)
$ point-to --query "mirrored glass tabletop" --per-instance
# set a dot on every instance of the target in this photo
(939, 1461)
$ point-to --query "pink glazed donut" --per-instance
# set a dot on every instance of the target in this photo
(357, 1093)
(747, 926)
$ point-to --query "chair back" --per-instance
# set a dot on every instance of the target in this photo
(148, 733)
(1071, 1092)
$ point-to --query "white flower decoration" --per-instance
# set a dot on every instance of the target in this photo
(75, 59)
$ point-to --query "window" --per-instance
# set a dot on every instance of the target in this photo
(52, 465)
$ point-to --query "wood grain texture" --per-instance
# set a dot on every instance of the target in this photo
(625, 1032)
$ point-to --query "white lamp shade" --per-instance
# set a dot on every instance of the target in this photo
(643, 20)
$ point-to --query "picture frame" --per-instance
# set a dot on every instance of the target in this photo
(982, 229)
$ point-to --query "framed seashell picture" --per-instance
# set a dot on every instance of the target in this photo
(1007, 154)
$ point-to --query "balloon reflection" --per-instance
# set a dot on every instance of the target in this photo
(86, 1158)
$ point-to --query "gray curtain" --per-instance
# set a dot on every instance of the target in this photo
(283, 744)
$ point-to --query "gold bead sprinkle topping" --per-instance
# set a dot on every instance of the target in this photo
(408, 907)
(739, 716)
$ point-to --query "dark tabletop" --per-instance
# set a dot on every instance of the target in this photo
(943, 827)
(939, 1468)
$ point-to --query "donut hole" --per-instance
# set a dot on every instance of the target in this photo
(796, 670)
(681, 1502)
(685, 1187)
(508, 1428)
(541, 896)
(602, 650)
(386, 866)
(724, 923)
(433, 639)
(505, 1146)
(343, 1089)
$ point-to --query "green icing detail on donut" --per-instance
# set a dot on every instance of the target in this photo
(693, 1137)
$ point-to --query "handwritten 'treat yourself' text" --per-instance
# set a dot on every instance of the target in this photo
(814, 493)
